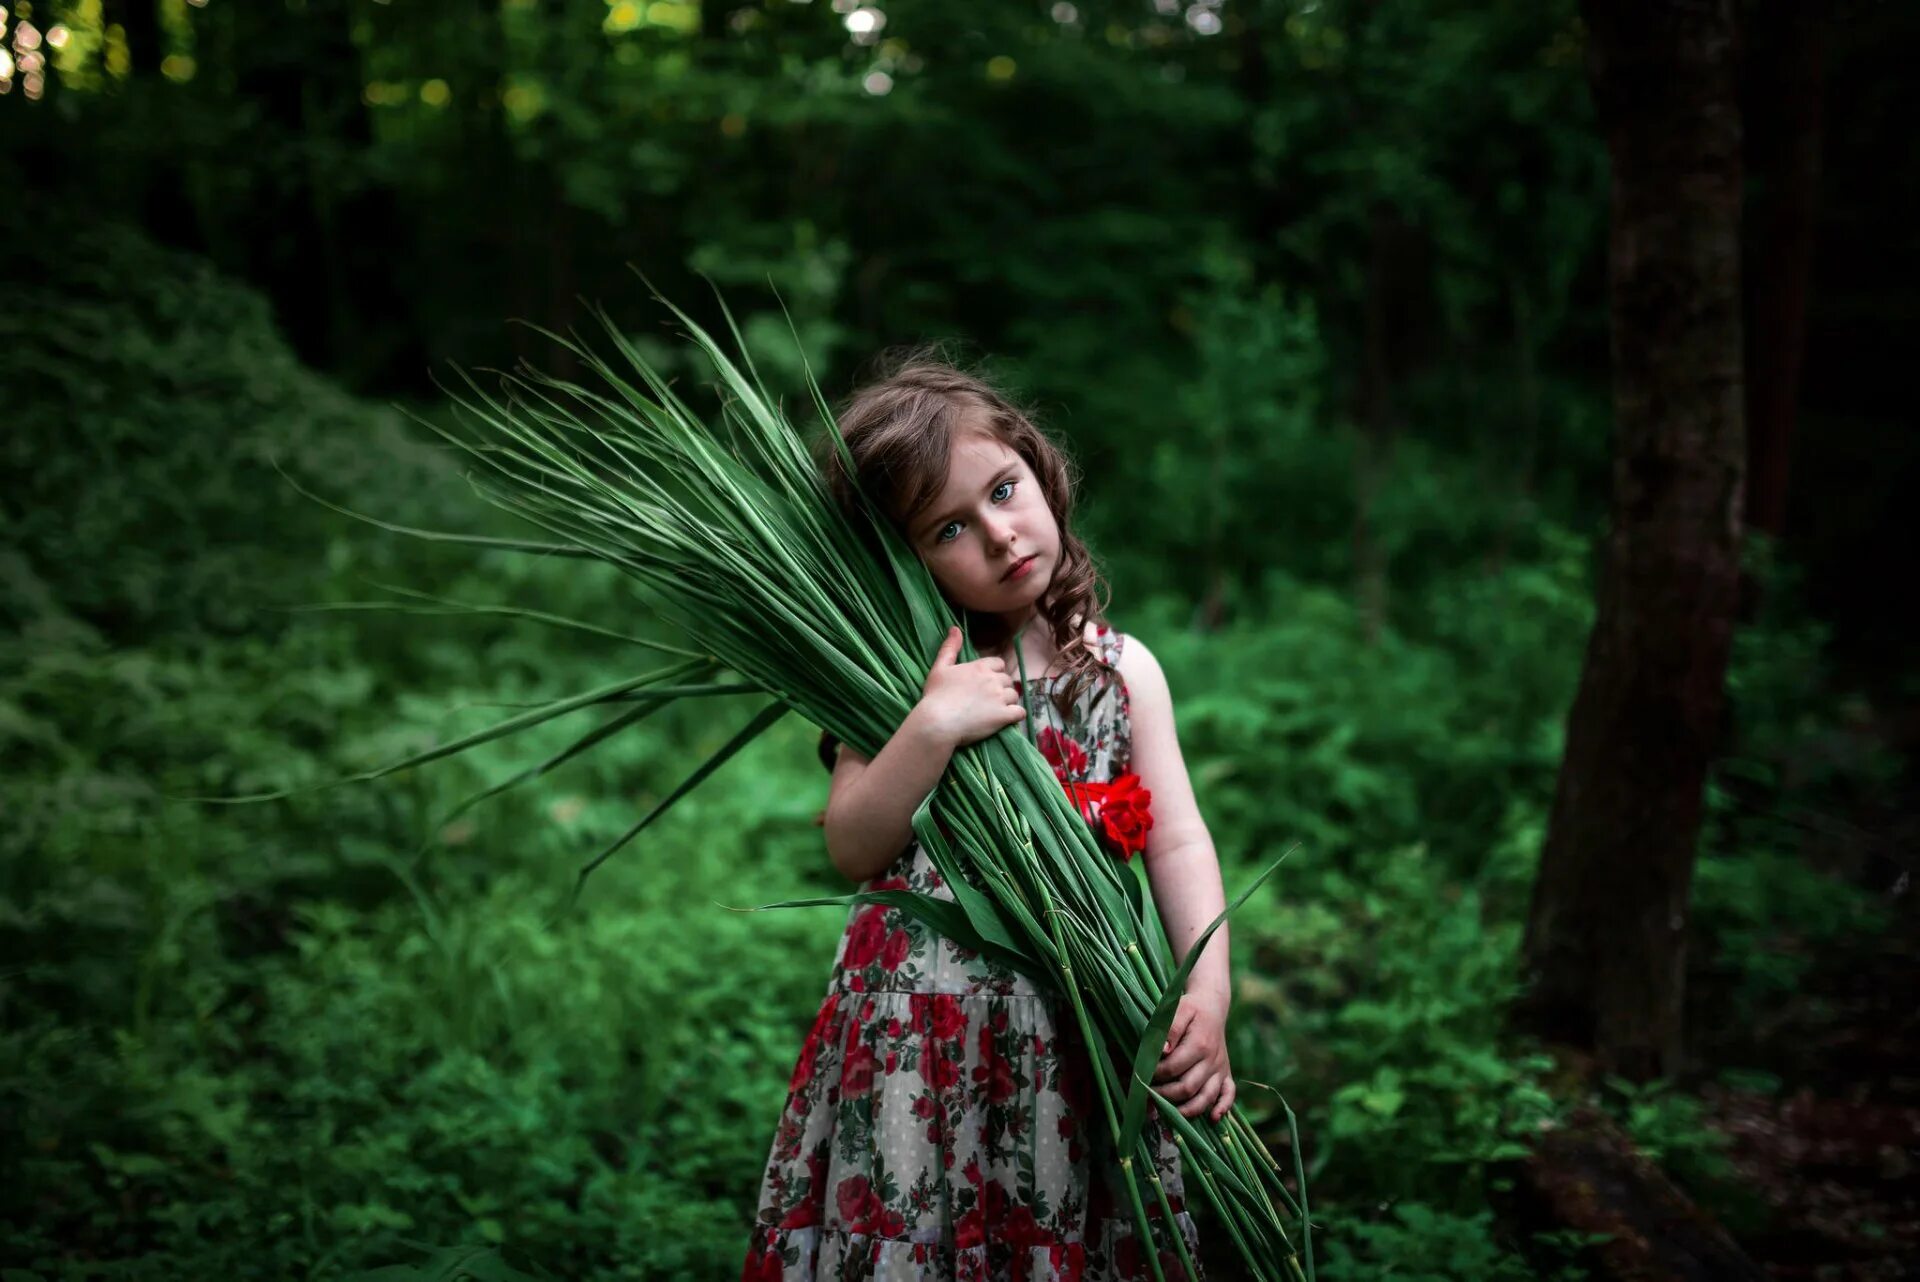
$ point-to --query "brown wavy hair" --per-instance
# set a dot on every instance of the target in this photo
(899, 427)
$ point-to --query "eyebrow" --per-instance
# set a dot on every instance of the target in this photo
(929, 524)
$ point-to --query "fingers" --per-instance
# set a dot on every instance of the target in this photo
(1185, 1082)
(1205, 1098)
(1183, 1059)
(949, 649)
(1228, 1094)
(1182, 1019)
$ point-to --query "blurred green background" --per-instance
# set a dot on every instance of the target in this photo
(1314, 291)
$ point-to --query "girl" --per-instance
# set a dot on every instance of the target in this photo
(941, 1123)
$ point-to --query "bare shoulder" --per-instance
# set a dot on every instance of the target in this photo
(1140, 669)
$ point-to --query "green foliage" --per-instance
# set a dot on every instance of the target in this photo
(334, 1035)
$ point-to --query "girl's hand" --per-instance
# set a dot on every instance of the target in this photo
(967, 702)
(1194, 1061)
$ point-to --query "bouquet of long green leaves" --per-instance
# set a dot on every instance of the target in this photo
(730, 534)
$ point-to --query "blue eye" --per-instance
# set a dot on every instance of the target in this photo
(940, 534)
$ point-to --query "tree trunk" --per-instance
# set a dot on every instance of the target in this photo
(1605, 944)
(1586, 1177)
(1787, 48)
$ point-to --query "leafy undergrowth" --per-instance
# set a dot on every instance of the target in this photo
(332, 1034)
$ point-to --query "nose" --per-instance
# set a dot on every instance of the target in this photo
(1000, 531)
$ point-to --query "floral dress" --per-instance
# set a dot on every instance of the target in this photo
(938, 1125)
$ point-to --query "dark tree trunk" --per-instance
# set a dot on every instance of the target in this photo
(1605, 944)
(1586, 1177)
(1785, 50)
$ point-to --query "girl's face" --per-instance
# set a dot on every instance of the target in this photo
(988, 538)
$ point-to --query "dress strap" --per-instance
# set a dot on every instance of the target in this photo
(1110, 639)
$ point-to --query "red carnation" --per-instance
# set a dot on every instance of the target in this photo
(1118, 811)
(1124, 815)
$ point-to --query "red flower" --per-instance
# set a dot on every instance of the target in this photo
(896, 950)
(1125, 815)
(764, 1264)
(1021, 1229)
(1065, 756)
(856, 1076)
(938, 1070)
(949, 1021)
(857, 1202)
(1118, 811)
(866, 936)
(993, 1071)
(810, 1050)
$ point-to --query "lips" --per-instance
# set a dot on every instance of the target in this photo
(1019, 567)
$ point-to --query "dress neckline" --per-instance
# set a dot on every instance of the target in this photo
(1103, 648)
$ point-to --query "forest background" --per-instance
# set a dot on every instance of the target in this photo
(1315, 291)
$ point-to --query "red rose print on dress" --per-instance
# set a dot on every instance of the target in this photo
(856, 1076)
(810, 1050)
(764, 1266)
(895, 952)
(949, 1020)
(856, 1201)
(993, 1072)
(866, 936)
(970, 1230)
(938, 1069)
(1065, 756)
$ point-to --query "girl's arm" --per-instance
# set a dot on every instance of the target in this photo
(871, 801)
(1182, 867)
(869, 818)
(1184, 874)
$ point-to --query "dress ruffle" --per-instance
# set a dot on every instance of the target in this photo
(804, 1254)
